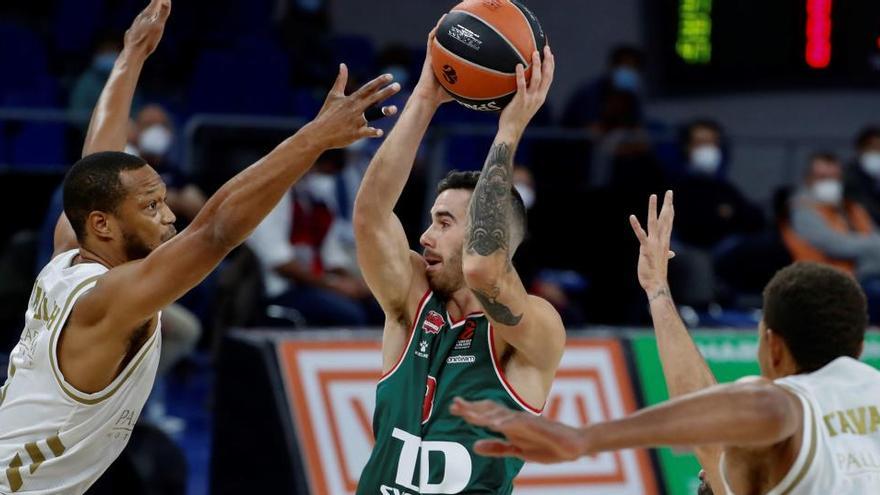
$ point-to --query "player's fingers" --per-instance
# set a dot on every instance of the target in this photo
(671, 254)
(376, 113)
(521, 85)
(537, 74)
(639, 231)
(164, 9)
(371, 132)
(383, 94)
(652, 214)
(549, 69)
(338, 88)
(496, 448)
(369, 89)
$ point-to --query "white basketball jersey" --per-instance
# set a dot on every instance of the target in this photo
(55, 439)
(840, 451)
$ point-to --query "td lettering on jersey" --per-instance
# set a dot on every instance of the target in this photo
(457, 466)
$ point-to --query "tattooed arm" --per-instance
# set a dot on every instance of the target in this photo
(495, 227)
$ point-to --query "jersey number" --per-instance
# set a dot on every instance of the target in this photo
(15, 469)
(428, 403)
(457, 465)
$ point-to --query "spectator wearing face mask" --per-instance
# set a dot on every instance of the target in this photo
(862, 176)
(828, 228)
(153, 141)
(89, 84)
(614, 100)
(711, 213)
(711, 208)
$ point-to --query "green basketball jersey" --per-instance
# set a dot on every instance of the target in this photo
(421, 447)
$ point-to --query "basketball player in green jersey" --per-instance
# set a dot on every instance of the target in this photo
(458, 319)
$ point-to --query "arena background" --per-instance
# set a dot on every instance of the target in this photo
(267, 402)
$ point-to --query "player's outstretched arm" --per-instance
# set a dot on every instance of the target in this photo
(754, 415)
(684, 367)
(134, 292)
(383, 253)
(108, 128)
(530, 325)
(109, 123)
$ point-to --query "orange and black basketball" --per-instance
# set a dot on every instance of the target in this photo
(478, 46)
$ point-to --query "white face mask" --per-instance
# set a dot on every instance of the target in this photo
(322, 187)
(527, 194)
(828, 191)
(155, 140)
(870, 161)
(706, 159)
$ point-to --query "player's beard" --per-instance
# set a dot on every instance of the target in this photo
(450, 279)
(135, 247)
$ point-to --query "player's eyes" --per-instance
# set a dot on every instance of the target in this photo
(153, 205)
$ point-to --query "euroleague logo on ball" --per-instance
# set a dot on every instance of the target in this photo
(492, 4)
(449, 74)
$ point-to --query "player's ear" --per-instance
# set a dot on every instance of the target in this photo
(102, 225)
(777, 348)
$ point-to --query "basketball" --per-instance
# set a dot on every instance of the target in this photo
(477, 48)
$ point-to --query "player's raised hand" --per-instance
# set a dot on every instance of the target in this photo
(428, 87)
(529, 437)
(341, 120)
(147, 28)
(531, 94)
(654, 253)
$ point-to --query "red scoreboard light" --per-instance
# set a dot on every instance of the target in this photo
(819, 48)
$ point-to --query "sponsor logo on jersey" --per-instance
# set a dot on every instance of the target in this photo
(433, 322)
(423, 349)
(466, 337)
(460, 359)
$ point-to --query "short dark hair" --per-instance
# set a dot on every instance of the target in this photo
(686, 133)
(867, 134)
(92, 184)
(468, 180)
(621, 53)
(819, 311)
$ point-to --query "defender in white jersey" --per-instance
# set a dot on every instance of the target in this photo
(810, 425)
(87, 356)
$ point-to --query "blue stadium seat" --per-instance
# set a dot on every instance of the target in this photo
(38, 144)
(23, 57)
(358, 53)
(42, 91)
(253, 78)
(76, 37)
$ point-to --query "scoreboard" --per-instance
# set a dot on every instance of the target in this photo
(744, 44)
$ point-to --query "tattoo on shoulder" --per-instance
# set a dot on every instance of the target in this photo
(497, 311)
(489, 222)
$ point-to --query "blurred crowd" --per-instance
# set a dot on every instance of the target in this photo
(299, 268)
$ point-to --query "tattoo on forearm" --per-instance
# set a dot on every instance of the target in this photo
(664, 292)
(490, 211)
(497, 311)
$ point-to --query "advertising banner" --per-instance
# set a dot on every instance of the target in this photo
(331, 391)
